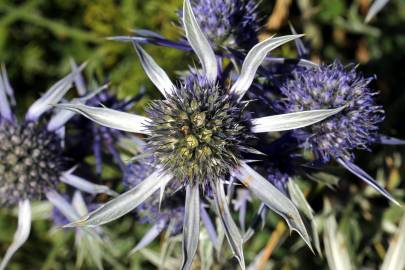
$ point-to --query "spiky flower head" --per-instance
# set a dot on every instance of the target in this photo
(32, 156)
(330, 86)
(197, 132)
(30, 161)
(228, 23)
(197, 135)
(167, 213)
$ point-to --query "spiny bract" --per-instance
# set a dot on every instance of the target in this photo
(169, 212)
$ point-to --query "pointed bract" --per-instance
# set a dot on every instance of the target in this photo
(149, 236)
(110, 118)
(376, 7)
(62, 205)
(199, 43)
(84, 185)
(291, 121)
(254, 59)
(22, 233)
(5, 109)
(191, 226)
(52, 96)
(273, 198)
(394, 258)
(231, 230)
(356, 170)
(155, 73)
(62, 117)
(336, 248)
(124, 203)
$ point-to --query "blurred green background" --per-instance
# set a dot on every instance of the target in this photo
(39, 37)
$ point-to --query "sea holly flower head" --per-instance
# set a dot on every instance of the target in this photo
(31, 162)
(197, 132)
(355, 127)
(328, 86)
(201, 126)
(32, 156)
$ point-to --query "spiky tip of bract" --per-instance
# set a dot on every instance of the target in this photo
(30, 162)
(196, 132)
(333, 86)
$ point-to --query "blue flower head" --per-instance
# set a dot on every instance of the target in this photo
(32, 156)
(228, 23)
(197, 133)
(330, 86)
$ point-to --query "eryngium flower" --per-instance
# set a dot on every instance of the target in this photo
(30, 162)
(195, 122)
(331, 86)
(197, 132)
(228, 23)
(31, 155)
(355, 127)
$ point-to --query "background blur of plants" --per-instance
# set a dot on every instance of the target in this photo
(39, 37)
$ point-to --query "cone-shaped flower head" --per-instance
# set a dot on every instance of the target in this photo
(197, 132)
(30, 161)
(331, 86)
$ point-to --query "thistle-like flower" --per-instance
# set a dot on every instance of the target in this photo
(355, 127)
(228, 24)
(31, 156)
(197, 136)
